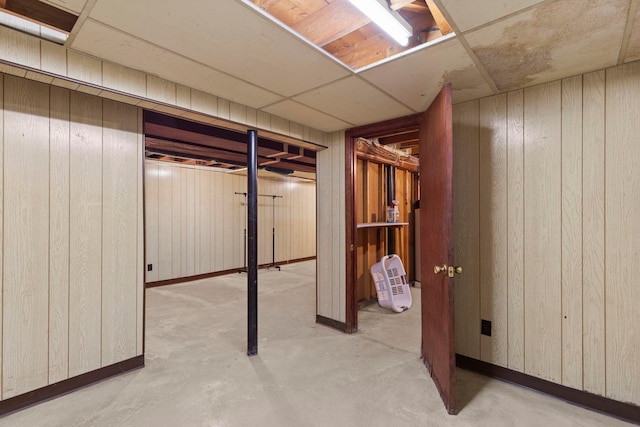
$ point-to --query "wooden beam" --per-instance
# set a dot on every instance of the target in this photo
(400, 138)
(399, 4)
(330, 23)
(445, 28)
(381, 155)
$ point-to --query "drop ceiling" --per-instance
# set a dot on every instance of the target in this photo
(234, 49)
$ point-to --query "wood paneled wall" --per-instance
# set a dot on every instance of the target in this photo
(71, 253)
(331, 257)
(546, 196)
(195, 222)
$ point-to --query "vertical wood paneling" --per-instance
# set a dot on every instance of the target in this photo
(338, 226)
(177, 222)
(188, 190)
(84, 67)
(622, 250)
(59, 236)
(226, 233)
(26, 236)
(85, 269)
(594, 232)
(466, 231)
(493, 227)
(542, 224)
(324, 264)
(1, 229)
(166, 224)
(578, 228)
(161, 90)
(238, 223)
(152, 220)
(197, 235)
(572, 232)
(19, 47)
(140, 267)
(515, 227)
(217, 230)
(119, 232)
(204, 229)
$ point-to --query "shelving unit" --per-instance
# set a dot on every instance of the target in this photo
(373, 234)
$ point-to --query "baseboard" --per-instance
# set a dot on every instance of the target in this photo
(624, 411)
(342, 327)
(220, 273)
(63, 387)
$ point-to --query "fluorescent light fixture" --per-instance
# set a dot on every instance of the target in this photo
(389, 21)
(15, 22)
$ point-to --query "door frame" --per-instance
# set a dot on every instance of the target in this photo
(374, 130)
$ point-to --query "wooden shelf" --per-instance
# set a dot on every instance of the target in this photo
(381, 224)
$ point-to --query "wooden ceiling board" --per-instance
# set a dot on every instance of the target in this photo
(551, 41)
(74, 6)
(468, 14)
(235, 37)
(355, 101)
(416, 78)
(99, 40)
(299, 113)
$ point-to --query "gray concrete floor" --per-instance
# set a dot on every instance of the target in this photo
(197, 373)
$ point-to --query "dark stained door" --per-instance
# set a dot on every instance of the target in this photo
(436, 245)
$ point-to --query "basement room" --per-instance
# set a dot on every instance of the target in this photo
(319, 212)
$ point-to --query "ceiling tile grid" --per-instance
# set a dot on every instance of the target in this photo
(105, 42)
(227, 35)
(231, 49)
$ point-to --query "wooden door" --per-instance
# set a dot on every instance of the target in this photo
(436, 245)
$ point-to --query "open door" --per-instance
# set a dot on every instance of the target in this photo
(436, 245)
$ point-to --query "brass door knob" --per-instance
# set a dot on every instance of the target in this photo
(458, 270)
(437, 269)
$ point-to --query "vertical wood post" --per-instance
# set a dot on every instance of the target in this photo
(252, 228)
(391, 195)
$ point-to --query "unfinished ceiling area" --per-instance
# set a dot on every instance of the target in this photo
(340, 29)
(320, 64)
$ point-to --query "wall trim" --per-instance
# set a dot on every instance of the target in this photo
(335, 324)
(220, 273)
(63, 387)
(624, 411)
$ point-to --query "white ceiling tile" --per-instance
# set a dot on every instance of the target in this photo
(416, 78)
(354, 100)
(551, 41)
(302, 114)
(227, 35)
(104, 42)
(467, 14)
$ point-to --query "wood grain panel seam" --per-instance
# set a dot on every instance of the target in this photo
(604, 226)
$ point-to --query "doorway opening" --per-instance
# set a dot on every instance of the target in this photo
(195, 180)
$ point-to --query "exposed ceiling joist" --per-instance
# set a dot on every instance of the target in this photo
(330, 23)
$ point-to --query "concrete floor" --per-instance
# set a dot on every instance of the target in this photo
(197, 373)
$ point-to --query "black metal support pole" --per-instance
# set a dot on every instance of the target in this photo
(252, 267)
(391, 195)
